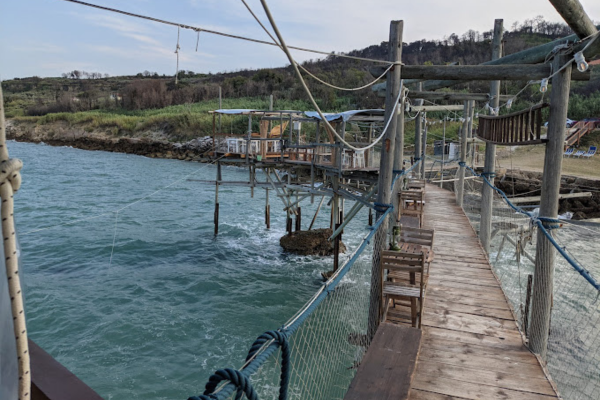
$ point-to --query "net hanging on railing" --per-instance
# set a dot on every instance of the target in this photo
(325, 340)
(573, 356)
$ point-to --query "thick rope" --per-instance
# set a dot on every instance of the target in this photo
(10, 182)
(237, 378)
(261, 354)
(281, 339)
(281, 43)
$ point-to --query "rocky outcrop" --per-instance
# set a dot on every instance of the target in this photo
(151, 145)
(314, 242)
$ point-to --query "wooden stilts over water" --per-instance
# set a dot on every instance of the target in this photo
(470, 346)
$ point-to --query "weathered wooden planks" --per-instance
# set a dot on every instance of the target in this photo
(471, 348)
(386, 371)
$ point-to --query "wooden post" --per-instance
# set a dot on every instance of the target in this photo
(369, 152)
(216, 215)
(487, 194)
(418, 128)
(543, 281)
(249, 139)
(399, 147)
(386, 167)
(220, 107)
(298, 219)
(527, 305)
(422, 120)
(443, 154)
(471, 146)
(267, 211)
(463, 155)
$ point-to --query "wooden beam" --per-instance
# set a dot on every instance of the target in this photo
(434, 108)
(454, 96)
(482, 72)
(575, 16)
(537, 199)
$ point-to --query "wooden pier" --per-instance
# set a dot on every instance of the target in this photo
(470, 346)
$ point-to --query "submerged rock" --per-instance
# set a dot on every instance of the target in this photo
(312, 242)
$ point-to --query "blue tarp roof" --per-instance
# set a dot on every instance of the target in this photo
(346, 115)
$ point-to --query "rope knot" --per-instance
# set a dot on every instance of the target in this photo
(10, 171)
(382, 207)
(462, 164)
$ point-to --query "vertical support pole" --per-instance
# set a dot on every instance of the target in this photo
(487, 194)
(220, 107)
(543, 281)
(460, 190)
(399, 148)
(214, 136)
(443, 154)
(267, 211)
(471, 146)
(369, 152)
(386, 167)
(422, 120)
(418, 128)
(527, 305)
(298, 219)
(249, 139)
(216, 216)
(370, 216)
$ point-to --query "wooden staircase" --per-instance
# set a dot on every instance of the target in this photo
(579, 130)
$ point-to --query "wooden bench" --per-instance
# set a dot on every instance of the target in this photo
(386, 371)
(416, 184)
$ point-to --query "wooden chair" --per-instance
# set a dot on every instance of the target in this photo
(411, 203)
(403, 294)
(416, 184)
(415, 241)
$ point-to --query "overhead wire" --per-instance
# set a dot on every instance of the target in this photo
(306, 70)
(213, 32)
(286, 50)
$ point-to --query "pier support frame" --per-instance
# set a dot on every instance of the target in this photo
(386, 173)
(487, 194)
(543, 279)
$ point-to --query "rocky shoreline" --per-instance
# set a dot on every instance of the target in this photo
(149, 144)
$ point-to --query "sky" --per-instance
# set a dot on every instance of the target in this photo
(50, 37)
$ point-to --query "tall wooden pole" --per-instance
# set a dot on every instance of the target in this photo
(422, 117)
(418, 127)
(487, 194)
(471, 146)
(543, 278)
(385, 173)
(399, 146)
(463, 154)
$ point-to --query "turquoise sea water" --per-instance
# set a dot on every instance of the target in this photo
(175, 303)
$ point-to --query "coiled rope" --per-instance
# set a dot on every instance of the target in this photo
(10, 182)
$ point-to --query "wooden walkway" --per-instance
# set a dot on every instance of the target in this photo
(471, 347)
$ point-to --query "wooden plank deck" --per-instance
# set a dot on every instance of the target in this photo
(391, 358)
(470, 347)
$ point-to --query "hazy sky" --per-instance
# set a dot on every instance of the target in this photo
(49, 37)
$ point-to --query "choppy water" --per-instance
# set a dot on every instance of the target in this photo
(176, 303)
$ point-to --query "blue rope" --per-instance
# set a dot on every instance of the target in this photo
(545, 224)
(263, 356)
(237, 378)
(382, 207)
(281, 339)
(400, 173)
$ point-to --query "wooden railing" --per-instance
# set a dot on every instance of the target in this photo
(580, 129)
(50, 380)
(520, 128)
